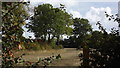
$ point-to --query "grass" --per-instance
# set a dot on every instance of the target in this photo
(69, 56)
(37, 46)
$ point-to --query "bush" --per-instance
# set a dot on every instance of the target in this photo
(33, 46)
(53, 43)
(60, 46)
(42, 45)
(37, 46)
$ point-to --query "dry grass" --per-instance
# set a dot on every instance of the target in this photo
(69, 56)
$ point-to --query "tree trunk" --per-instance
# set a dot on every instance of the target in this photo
(58, 37)
(49, 38)
(85, 56)
(44, 38)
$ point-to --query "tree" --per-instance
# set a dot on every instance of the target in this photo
(96, 39)
(82, 29)
(50, 22)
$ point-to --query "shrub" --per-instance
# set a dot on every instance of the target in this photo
(53, 43)
(32, 46)
(60, 46)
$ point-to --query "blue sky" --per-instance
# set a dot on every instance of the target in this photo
(93, 11)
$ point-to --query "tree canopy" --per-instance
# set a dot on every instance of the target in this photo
(81, 32)
(50, 22)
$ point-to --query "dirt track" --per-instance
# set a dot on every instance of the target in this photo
(69, 56)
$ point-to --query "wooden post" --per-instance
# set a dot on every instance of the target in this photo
(85, 56)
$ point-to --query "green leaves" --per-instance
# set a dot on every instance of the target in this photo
(13, 16)
(50, 21)
(81, 31)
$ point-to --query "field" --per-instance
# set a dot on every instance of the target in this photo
(69, 56)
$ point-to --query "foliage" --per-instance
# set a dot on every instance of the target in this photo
(53, 43)
(42, 45)
(11, 61)
(107, 54)
(81, 27)
(49, 22)
(11, 23)
(96, 39)
(105, 48)
(36, 46)
(43, 61)
(81, 32)
(13, 17)
(54, 46)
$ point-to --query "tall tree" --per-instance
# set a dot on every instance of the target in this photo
(49, 21)
(82, 29)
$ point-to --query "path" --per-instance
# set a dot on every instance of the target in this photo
(69, 56)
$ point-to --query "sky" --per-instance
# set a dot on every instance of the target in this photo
(93, 11)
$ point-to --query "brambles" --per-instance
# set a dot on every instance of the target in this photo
(13, 17)
(43, 61)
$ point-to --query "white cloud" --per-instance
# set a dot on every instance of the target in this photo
(98, 14)
(75, 14)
